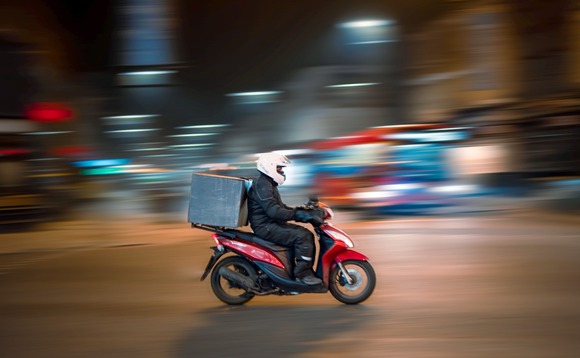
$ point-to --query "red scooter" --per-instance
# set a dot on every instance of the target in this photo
(256, 267)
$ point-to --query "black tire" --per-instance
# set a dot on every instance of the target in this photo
(228, 292)
(363, 286)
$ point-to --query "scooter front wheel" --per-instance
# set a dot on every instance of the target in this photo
(363, 281)
(227, 291)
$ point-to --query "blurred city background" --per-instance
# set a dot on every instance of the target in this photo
(443, 133)
(385, 107)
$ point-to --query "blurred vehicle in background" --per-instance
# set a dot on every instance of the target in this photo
(400, 169)
(33, 187)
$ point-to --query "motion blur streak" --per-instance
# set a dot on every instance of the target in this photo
(444, 134)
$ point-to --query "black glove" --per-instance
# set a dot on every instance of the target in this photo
(318, 216)
(302, 215)
(313, 216)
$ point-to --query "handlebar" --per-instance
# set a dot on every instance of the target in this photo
(312, 201)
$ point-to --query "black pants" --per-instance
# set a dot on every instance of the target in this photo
(291, 235)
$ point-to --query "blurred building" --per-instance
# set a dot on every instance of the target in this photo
(573, 63)
(153, 118)
(35, 133)
(318, 103)
(466, 58)
(509, 70)
(353, 89)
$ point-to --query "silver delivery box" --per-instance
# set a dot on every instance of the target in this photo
(218, 200)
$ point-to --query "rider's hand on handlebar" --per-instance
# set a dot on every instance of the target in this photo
(302, 215)
(313, 216)
(318, 217)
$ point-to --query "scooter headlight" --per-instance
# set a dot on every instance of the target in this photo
(337, 235)
(329, 213)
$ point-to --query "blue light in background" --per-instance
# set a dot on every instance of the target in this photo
(101, 163)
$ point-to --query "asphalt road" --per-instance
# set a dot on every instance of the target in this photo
(503, 284)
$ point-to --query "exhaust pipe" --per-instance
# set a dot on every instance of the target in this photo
(237, 278)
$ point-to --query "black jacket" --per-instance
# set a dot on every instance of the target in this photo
(265, 205)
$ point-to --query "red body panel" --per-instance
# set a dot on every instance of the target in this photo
(252, 251)
(338, 253)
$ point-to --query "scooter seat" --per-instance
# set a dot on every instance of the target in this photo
(251, 237)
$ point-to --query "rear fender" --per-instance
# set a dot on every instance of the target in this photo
(217, 253)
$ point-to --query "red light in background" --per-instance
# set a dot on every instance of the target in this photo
(49, 112)
(11, 152)
(71, 151)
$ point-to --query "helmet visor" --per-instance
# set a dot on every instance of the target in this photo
(280, 170)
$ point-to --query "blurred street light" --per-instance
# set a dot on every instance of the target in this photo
(255, 97)
(365, 32)
(365, 23)
(360, 84)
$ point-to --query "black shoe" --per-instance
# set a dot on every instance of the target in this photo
(309, 280)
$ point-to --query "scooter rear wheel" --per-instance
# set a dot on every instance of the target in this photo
(227, 291)
(362, 286)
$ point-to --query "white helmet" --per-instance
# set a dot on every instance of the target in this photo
(272, 164)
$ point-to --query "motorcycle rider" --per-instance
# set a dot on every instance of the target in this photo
(269, 216)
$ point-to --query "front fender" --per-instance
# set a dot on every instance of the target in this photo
(343, 256)
(350, 255)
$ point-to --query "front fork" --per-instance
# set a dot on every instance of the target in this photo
(348, 255)
(218, 251)
(345, 273)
